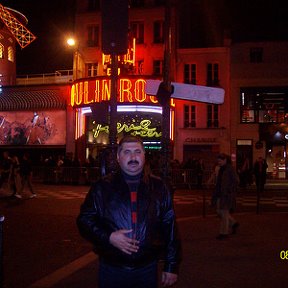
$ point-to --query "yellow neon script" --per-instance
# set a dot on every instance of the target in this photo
(143, 129)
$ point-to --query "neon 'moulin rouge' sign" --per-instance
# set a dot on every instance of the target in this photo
(94, 90)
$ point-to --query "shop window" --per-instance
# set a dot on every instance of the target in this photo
(212, 116)
(93, 36)
(190, 73)
(1, 51)
(92, 69)
(189, 116)
(263, 105)
(158, 32)
(256, 55)
(10, 54)
(140, 67)
(212, 74)
(247, 116)
(157, 67)
(137, 30)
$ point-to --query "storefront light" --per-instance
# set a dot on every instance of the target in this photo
(134, 108)
(130, 108)
(278, 136)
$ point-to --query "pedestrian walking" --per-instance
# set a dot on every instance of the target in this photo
(131, 222)
(15, 179)
(244, 173)
(224, 196)
(5, 175)
(26, 175)
(260, 172)
(200, 167)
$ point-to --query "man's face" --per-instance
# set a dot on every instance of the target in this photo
(131, 158)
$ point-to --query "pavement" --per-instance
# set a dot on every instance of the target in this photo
(257, 256)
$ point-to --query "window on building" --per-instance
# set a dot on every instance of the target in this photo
(158, 31)
(92, 69)
(140, 67)
(137, 29)
(212, 116)
(157, 67)
(256, 55)
(263, 105)
(93, 5)
(1, 51)
(190, 73)
(10, 54)
(212, 74)
(93, 36)
(189, 116)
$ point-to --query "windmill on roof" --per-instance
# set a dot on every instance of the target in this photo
(12, 30)
(22, 35)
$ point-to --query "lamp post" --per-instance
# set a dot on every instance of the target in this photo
(165, 92)
(76, 57)
(113, 112)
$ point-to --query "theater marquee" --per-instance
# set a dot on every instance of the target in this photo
(95, 90)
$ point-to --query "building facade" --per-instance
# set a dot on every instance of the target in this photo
(251, 122)
(259, 78)
(203, 130)
(34, 116)
(138, 113)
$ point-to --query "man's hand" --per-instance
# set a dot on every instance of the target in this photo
(124, 243)
(168, 279)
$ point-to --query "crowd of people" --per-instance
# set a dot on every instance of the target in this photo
(15, 175)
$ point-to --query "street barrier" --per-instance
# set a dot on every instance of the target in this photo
(66, 175)
(179, 178)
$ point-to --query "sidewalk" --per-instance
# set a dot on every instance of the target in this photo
(276, 184)
(252, 258)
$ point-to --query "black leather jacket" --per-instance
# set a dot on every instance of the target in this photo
(107, 209)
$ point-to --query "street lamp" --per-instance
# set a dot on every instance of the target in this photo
(76, 57)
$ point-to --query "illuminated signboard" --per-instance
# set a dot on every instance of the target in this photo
(142, 129)
(142, 124)
(125, 62)
(87, 92)
(33, 128)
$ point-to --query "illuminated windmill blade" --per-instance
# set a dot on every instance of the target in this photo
(23, 36)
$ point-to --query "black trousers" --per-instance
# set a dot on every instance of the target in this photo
(119, 277)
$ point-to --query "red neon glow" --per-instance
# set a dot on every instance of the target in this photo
(132, 90)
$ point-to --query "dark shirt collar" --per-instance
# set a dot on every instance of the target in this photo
(131, 177)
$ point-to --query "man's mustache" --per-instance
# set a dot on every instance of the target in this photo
(133, 162)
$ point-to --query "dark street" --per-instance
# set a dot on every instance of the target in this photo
(42, 247)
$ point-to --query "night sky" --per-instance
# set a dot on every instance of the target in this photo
(51, 22)
(202, 24)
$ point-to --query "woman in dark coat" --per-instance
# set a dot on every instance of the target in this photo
(225, 195)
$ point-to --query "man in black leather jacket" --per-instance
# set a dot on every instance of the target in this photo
(129, 218)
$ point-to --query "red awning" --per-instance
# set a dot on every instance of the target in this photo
(14, 99)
